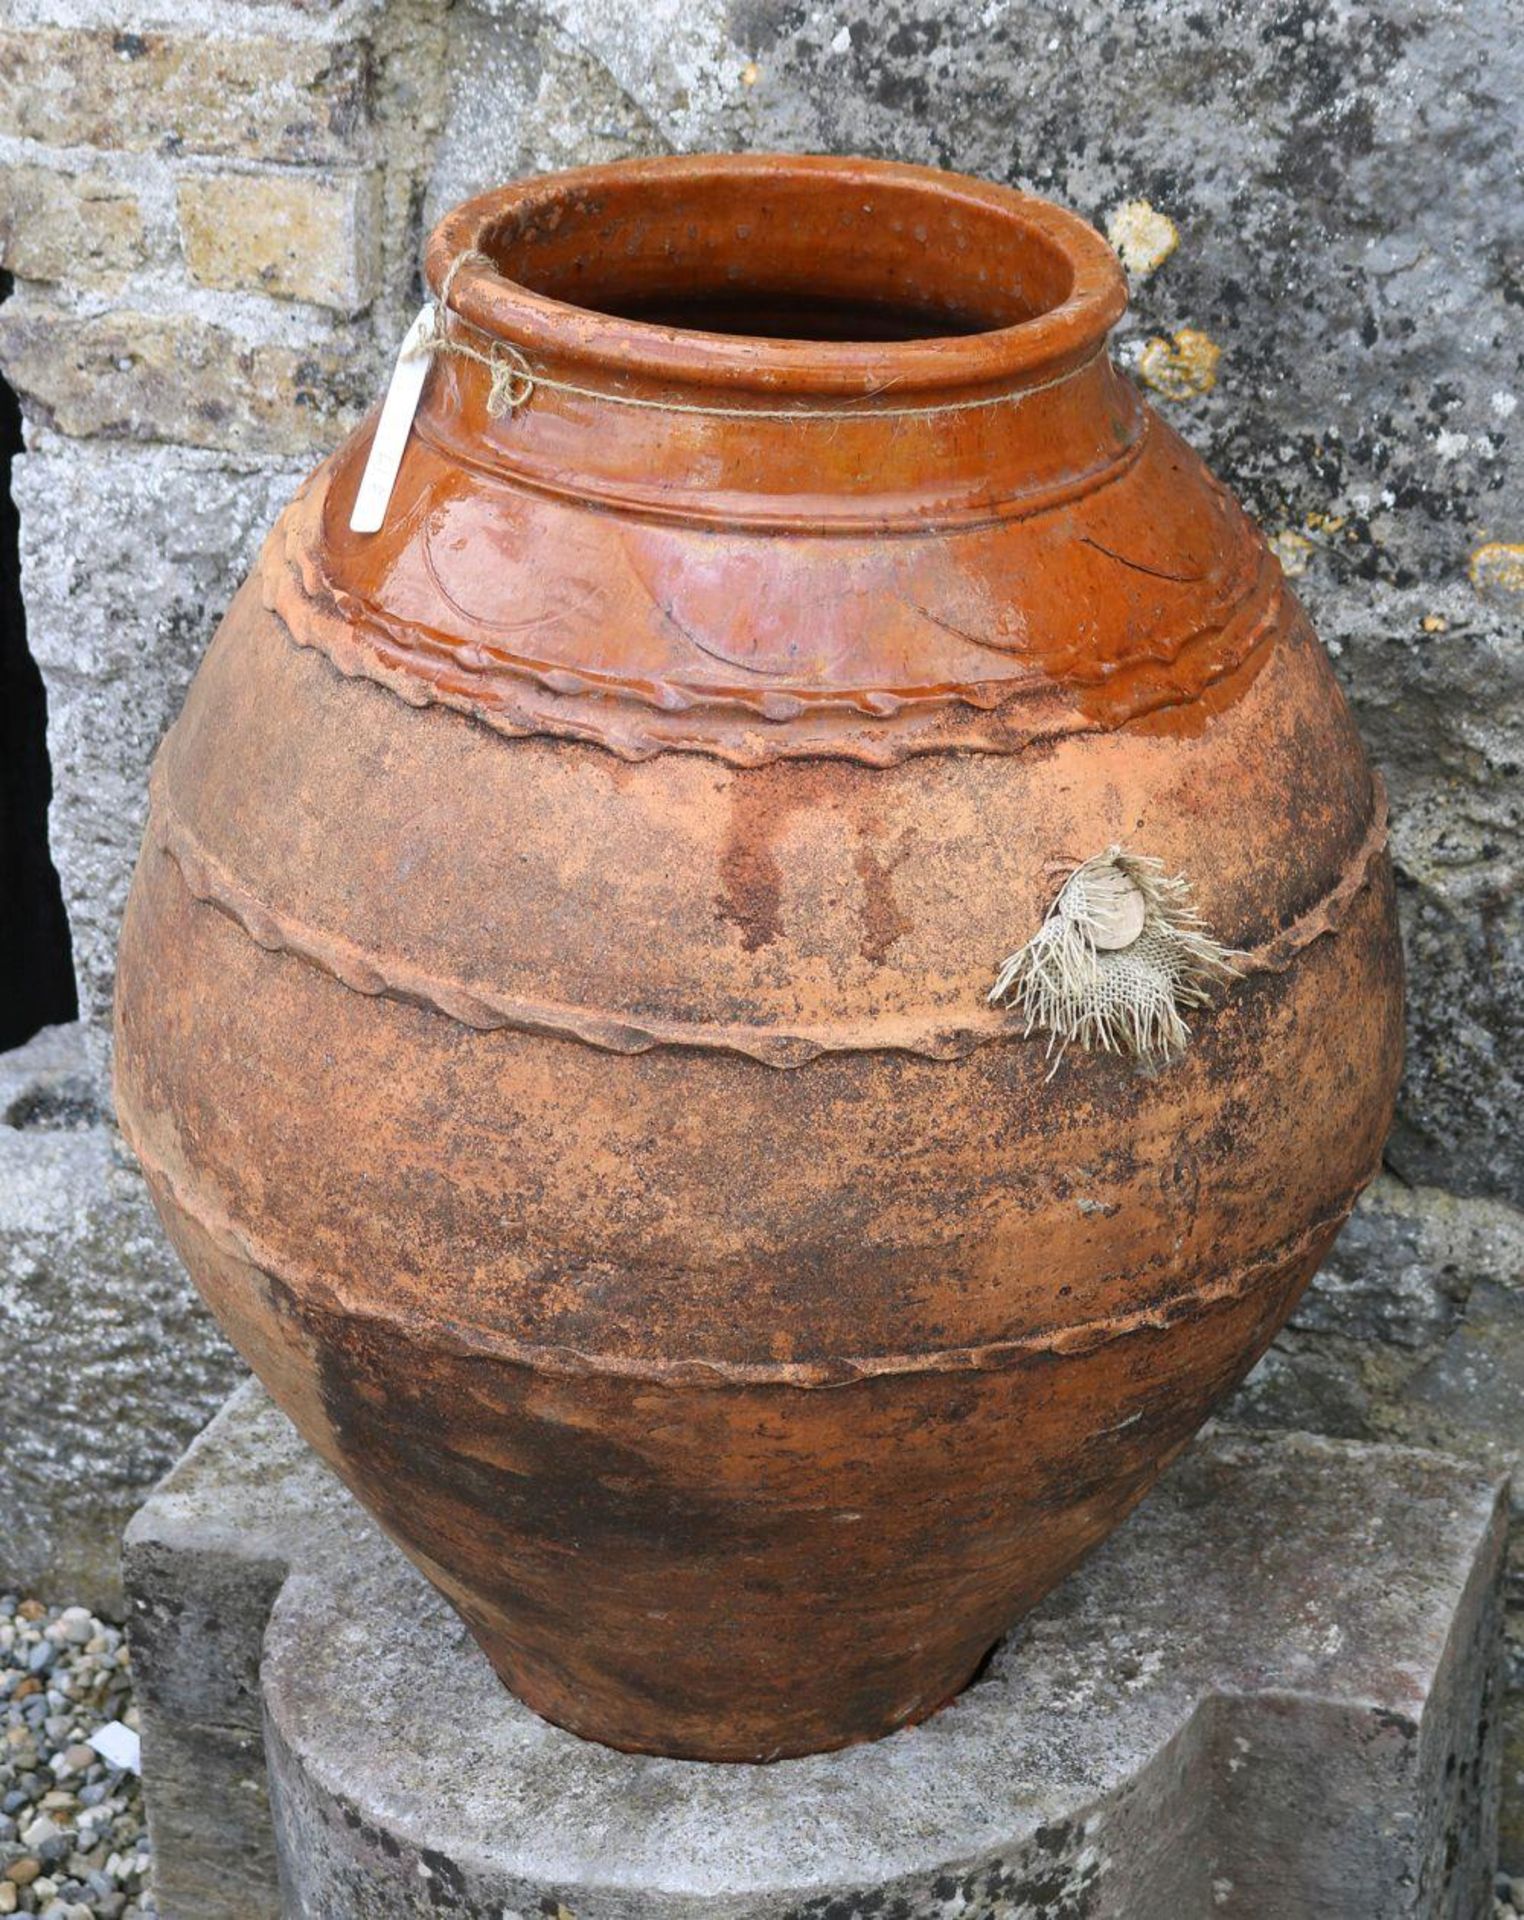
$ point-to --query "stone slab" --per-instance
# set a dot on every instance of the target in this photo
(1271, 1694)
(109, 1360)
(129, 556)
(203, 1562)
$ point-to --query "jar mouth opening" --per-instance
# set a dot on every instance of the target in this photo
(795, 273)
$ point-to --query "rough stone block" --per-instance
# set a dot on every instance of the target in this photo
(109, 1361)
(193, 92)
(84, 229)
(182, 379)
(1463, 928)
(542, 99)
(205, 1560)
(1270, 1694)
(1414, 1333)
(128, 557)
(294, 235)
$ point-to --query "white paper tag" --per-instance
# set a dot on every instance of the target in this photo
(392, 429)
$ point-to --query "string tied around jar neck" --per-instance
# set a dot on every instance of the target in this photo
(514, 381)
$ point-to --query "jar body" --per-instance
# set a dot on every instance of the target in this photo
(571, 1085)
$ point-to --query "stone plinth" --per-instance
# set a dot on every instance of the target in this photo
(1272, 1694)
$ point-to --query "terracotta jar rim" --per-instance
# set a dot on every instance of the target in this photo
(588, 268)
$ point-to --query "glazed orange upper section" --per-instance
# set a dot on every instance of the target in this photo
(760, 546)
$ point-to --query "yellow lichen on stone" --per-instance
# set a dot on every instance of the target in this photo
(1292, 550)
(1499, 564)
(1181, 364)
(1435, 623)
(1143, 237)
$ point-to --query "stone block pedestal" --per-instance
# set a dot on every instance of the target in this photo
(1271, 1695)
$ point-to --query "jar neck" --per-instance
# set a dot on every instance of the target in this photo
(924, 349)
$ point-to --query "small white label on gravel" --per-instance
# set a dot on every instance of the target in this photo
(118, 1746)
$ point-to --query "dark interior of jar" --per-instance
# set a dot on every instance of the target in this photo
(804, 257)
(758, 313)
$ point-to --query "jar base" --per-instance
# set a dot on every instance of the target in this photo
(715, 1728)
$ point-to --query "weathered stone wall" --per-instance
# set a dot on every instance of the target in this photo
(213, 217)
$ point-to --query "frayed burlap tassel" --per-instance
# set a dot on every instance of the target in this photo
(1120, 953)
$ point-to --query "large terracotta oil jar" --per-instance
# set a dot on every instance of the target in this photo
(553, 1013)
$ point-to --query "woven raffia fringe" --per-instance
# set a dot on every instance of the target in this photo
(1066, 983)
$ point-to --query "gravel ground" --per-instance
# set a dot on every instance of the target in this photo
(72, 1841)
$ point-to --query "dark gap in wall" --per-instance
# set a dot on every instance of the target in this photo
(36, 959)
